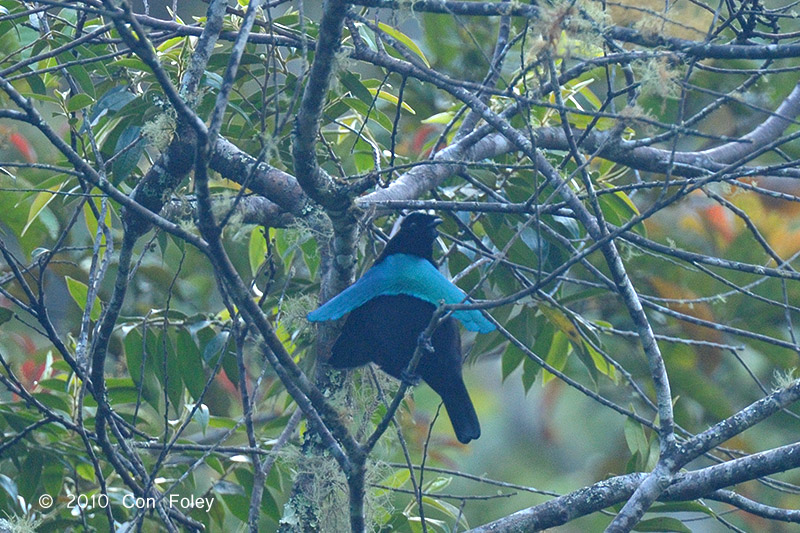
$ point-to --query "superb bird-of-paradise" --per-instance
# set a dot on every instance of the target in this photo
(392, 304)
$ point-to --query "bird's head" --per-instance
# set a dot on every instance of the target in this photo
(415, 236)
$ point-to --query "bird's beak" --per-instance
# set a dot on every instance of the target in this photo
(435, 222)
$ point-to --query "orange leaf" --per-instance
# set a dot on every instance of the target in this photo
(23, 147)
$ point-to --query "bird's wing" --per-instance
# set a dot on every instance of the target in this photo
(402, 274)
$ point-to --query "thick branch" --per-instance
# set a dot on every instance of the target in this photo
(315, 182)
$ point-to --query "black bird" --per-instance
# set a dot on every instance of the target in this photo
(392, 304)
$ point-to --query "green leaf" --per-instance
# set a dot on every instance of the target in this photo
(91, 221)
(440, 118)
(364, 161)
(636, 439)
(356, 88)
(234, 498)
(231, 367)
(530, 369)
(256, 249)
(56, 384)
(191, 361)
(89, 217)
(561, 321)
(133, 355)
(175, 370)
(81, 75)
(664, 523)
(36, 84)
(126, 161)
(169, 43)
(52, 477)
(399, 522)
(448, 509)
(201, 416)
(583, 121)
(86, 471)
(42, 97)
(269, 506)
(113, 100)
(213, 80)
(79, 101)
(681, 507)
(389, 97)
(311, 256)
(121, 390)
(28, 484)
(438, 484)
(133, 63)
(583, 87)
(215, 464)
(364, 111)
(80, 293)
(597, 360)
(557, 355)
(403, 38)
(39, 203)
(512, 358)
(394, 481)
(214, 347)
(544, 342)
(618, 209)
(567, 331)
(569, 224)
(144, 378)
(221, 422)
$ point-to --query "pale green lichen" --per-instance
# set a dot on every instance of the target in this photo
(19, 524)
(659, 76)
(650, 27)
(295, 309)
(784, 378)
(160, 130)
(314, 223)
(327, 495)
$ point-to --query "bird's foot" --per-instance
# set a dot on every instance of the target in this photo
(424, 343)
(409, 379)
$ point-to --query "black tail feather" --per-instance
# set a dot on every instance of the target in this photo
(461, 412)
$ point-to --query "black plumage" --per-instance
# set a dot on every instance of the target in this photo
(386, 329)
